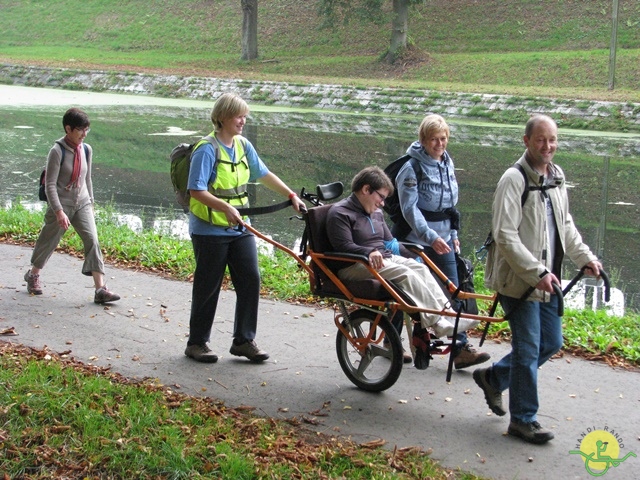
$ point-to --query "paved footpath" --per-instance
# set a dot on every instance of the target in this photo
(144, 335)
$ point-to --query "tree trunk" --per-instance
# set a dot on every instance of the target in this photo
(398, 29)
(249, 29)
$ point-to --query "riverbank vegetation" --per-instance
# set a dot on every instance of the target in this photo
(544, 48)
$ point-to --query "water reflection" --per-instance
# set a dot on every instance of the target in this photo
(132, 144)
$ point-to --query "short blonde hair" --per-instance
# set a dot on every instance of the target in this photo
(227, 106)
(432, 124)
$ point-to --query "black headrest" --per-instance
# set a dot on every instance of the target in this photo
(329, 191)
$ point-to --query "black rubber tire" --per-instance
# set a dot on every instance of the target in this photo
(383, 360)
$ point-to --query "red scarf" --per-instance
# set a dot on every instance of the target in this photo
(77, 162)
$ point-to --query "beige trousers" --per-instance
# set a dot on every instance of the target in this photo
(414, 278)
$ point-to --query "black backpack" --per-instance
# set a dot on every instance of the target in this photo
(42, 192)
(465, 269)
(400, 227)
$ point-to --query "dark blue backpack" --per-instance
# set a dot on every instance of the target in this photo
(42, 192)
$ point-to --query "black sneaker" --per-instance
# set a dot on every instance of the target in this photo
(530, 432)
(421, 340)
(491, 395)
(201, 353)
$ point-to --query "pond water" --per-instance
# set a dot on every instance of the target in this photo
(133, 135)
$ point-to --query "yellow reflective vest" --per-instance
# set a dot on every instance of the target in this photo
(229, 185)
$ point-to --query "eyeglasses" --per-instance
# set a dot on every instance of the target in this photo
(85, 130)
(382, 197)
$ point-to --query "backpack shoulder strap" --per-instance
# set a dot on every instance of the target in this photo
(62, 149)
(527, 188)
(213, 142)
(415, 164)
(207, 139)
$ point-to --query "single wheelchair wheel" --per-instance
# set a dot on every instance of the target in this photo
(377, 364)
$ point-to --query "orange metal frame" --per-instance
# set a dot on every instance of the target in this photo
(391, 306)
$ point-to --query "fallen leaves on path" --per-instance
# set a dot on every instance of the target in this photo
(293, 444)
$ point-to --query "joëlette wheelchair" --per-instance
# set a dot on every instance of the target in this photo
(368, 344)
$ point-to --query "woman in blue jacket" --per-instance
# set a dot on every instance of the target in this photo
(428, 200)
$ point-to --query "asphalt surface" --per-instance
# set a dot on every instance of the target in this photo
(145, 334)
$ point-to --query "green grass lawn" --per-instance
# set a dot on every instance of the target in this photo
(549, 48)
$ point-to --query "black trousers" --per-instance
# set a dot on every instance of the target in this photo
(213, 255)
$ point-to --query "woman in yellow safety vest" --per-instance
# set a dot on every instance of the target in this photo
(219, 240)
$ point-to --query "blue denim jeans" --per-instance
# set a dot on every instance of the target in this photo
(536, 334)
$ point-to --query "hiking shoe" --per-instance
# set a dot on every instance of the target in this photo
(469, 356)
(250, 350)
(491, 395)
(531, 432)
(444, 328)
(33, 283)
(201, 353)
(103, 295)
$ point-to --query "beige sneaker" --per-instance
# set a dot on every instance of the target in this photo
(33, 283)
(469, 356)
(250, 350)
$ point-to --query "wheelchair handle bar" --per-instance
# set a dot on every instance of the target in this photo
(602, 274)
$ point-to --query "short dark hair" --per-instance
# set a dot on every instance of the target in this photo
(374, 177)
(75, 118)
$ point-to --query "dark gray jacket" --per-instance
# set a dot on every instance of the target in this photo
(351, 230)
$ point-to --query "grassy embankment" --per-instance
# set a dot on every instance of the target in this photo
(591, 332)
(553, 49)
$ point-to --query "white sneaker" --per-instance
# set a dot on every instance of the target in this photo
(444, 328)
